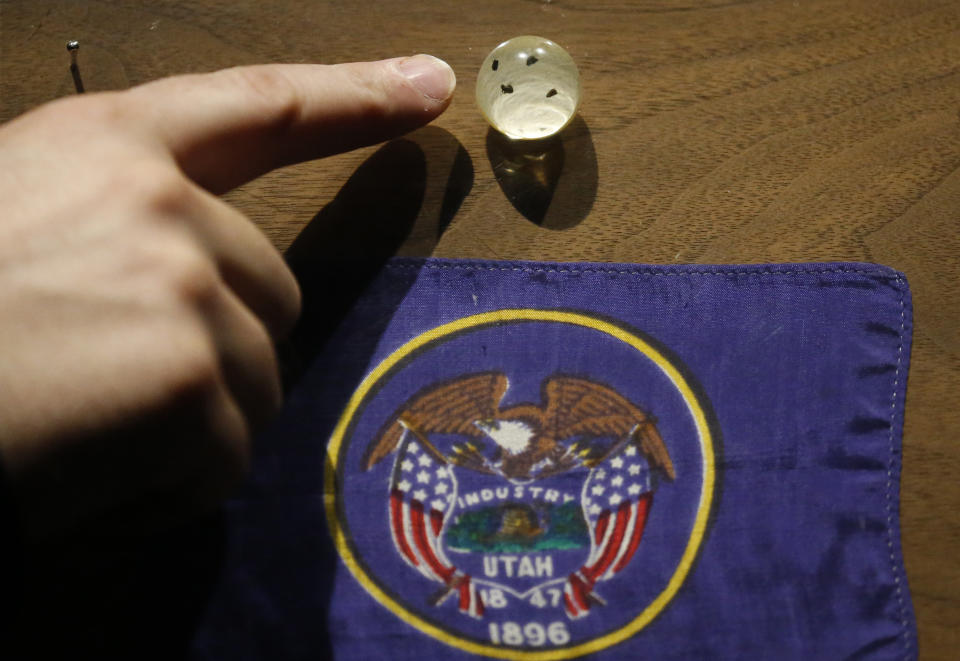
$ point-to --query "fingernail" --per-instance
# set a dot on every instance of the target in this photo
(432, 76)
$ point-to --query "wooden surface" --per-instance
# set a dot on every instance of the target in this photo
(710, 131)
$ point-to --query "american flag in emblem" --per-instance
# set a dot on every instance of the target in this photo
(616, 498)
(422, 493)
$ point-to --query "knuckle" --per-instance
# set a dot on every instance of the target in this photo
(288, 302)
(175, 271)
(262, 343)
(272, 91)
(194, 369)
(265, 397)
(191, 276)
(374, 91)
(107, 109)
(161, 189)
(294, 303)
(271, 373)
(149, 189)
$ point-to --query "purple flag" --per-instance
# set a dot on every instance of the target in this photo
(539, 461)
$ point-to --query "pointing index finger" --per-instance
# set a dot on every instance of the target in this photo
(230, 126)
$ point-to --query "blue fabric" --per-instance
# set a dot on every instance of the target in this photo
(776, 390)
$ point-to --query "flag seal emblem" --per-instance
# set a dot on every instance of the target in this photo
(524, 483)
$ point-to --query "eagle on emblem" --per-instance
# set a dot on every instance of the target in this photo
(523, 442)
(580, 423)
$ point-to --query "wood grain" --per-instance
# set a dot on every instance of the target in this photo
(710, 131)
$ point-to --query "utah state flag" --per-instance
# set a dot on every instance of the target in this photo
(539, 461)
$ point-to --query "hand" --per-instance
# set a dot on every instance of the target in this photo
(138, 311)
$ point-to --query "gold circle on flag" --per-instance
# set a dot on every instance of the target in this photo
(498, 317)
